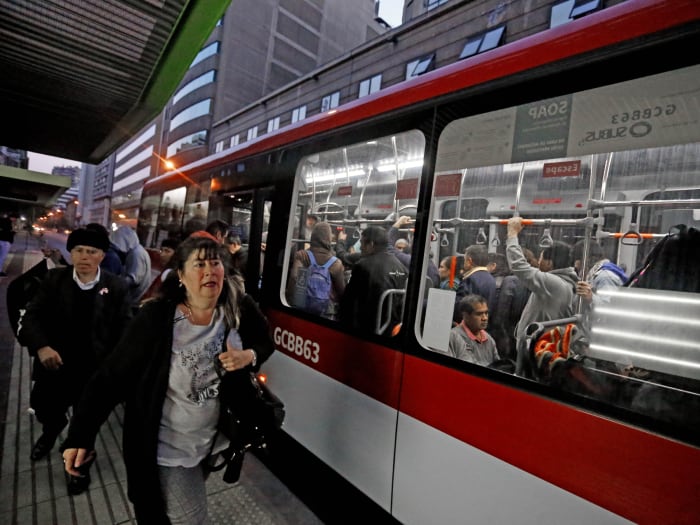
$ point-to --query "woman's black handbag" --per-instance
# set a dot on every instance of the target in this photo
(250, 415)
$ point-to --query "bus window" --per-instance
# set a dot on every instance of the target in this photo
(609, 204)
(350, 189)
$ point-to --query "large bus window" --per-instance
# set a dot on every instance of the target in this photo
(608, 177)
(352, 189)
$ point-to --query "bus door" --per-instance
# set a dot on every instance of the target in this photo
(248, 213)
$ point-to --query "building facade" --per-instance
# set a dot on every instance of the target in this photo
(258, 47)
(287, 60)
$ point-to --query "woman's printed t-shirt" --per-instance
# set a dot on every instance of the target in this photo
(191, 407)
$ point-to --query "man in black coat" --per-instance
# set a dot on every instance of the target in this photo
(374, 273)
(71, 324)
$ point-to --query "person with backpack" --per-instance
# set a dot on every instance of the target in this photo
(317, 277)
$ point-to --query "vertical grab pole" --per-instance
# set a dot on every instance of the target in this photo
(518, 191)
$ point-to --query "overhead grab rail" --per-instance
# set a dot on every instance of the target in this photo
(527, 222)
(680, 203)
(546, 240)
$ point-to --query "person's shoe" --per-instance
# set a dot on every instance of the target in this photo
(42, 447)
(78, 484)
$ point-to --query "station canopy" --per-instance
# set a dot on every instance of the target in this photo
(80, 77)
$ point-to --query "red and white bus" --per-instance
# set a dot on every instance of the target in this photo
(590, 131)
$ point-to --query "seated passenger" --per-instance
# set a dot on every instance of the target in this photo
(374, 273)
(320, 298)
(469, 340)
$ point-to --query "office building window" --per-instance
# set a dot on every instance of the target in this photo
(138, 141)
(192, 112)
(418, 67)
(370, 85)
(252, 133)
(299, 114)
(219, 147)
(195, 139)
(211, 49)
(273, 124)
(569, 10)
(483, 42)
(432, 4)
(330, 101)
(202, 80)
(234, 141)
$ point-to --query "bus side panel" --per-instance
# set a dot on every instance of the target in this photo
(332, 404)
(641, 476)
(440, 479)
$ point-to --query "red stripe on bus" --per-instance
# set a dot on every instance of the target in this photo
(631, 472)
(369, 368)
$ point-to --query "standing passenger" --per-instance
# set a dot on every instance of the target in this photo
(219, 229)
(449, 273)
(70, 326)
(476, 278)
(203, 334)
(320, 250)
(374, 273)
(112, 261)
(137, 262)
(553, 284)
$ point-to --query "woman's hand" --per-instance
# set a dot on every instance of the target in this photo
(73, 458)
(236, 358)
(49, 358)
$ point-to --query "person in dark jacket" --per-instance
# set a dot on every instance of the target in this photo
(399, 250)
(21, 289)
(70, 326)
(476, 279)
(374, 273)
(203, 334)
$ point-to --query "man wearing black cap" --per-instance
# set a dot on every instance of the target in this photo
(71, 324)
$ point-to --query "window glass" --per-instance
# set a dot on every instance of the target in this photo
(202, 80)
(206, 52)
(299, 114)
(330, 101)
(190, 113)
(352, 189)
(273, 124)
(195, 139)
(418, 67)
(600, 178)
(370, 85)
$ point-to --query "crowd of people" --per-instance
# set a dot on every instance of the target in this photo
(102, 332)
(497, 295)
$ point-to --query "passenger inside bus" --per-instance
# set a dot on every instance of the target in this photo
(477, 279)
(317, 277)
(469, 340)
(552, 286)
(363, 307)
